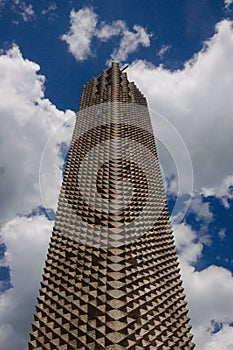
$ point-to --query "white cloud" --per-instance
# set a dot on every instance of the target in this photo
(228, 3)
(27, 241)
(83, 28)
(201, 209)
(203, 216)
(224, 191)
(197, 100)
(185, 239)
(163, 50)
(105, 31)
(222, 340)
(28, 119)
(81, 31)
(209, 292)
(130, 42)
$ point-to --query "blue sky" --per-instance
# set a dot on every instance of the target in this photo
(180, 55)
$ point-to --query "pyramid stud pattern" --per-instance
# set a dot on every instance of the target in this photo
(111, 279)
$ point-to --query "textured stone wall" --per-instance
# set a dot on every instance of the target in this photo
(112, 279)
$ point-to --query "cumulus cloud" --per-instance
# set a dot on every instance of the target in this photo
(201, 209)
(224, 191)
(106, 31)
(228, 3)
(83, 28)
(222, 340)
(27, 242)
(28, 120)
(197, 101)
(130, 42)
(186, 244)
(203, 216)
(209, 291)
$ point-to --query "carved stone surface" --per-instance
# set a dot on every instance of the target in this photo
(112, 279)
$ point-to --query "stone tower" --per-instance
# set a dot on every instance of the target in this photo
(111, 279)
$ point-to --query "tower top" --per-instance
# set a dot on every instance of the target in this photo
(111, 86)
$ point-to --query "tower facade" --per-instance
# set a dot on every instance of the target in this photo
(111, 279)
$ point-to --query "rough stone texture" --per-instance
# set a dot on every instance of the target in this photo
(112, 279)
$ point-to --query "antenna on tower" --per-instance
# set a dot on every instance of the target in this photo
(124, 68)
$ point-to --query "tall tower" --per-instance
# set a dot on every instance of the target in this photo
(111, 279)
